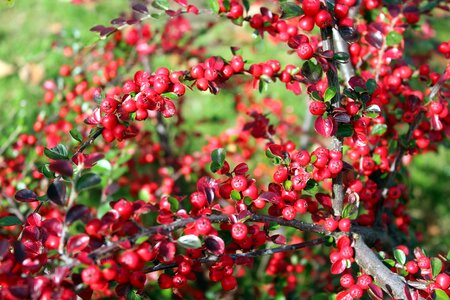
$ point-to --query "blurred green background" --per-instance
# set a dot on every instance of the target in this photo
(29, 28)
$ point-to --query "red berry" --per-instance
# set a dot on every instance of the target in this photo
(306, 23)
(347, 280)
(323, 19)
(311, 7)
(137, 279)
(239, 183)
(109, 121)
(364, 281)
(344, 224)
(202, 84)
(317, 108)
(203, 225)
(335, 166)
(424, 262)
(356, 291)
(198, 200)
(289, 213)
(443, 280)
(91, 275)
(239, 231)
(228, 283)
(301, 206)
(130, 260)
(331, 224)
(165, 281)
(302, 157)
(281, 174)
(305, 51)
(179, 281)
(124, 208)
(109, 269)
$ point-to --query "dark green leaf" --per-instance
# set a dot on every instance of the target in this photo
(315, 95)
(311, 186)
(76, 135)
(174, 204)
(10, 221)
(344, 130)
(378, 129)
(218, 156)
(393, 38)
(312, 71)
(341, 57)
(214, 4)
(215, 167)
(58, 152)
(262, 87)
(371, 86)
(290, 10)
(56, 192)
(246, 4)
(400, 256)
(273, 226)
(87, 181)
(133, 295)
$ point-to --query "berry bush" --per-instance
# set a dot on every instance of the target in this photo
(231, 149)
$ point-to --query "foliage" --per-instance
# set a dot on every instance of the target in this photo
(168, 159)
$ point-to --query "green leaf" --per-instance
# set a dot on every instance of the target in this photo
(76, 135)
(393, 38)
(371, 86)
(87, 181)
(389, 262)
(214, 4)
(400, 256)
(142, 239)
(311, 186)
(344, 130)
(378, 129)
(161, 4)
(440, 295)
(273, 226)
(290, 10)
(246, 4)
(189, 241)
(170, 95)
(377, 158)
(287, 185)
(247, 200)
(235, 195)
(436, 266)
(133, 295)
(58, 152)
(341, 57)
(315, 95)
(329, 93)
(215, 167)
(262, 87)
(174, 204)
(10, 221)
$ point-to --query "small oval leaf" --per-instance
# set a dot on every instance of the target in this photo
(87, 181)
(189, 241)
(56, 192)
(26, 195)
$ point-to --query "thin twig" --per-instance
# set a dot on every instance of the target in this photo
(251, 254)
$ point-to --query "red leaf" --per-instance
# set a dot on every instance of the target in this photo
(207, 186)
(26, 195)
(278, 239)
(338, 267)
(241, 169)
(269, 197)
(166, 251)
(77, 243)
(34, 219)
(214, 244)
(326, 127)
(63, 167)
(375, 292)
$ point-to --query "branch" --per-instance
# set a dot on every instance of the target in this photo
(337, 200)
(251, 254)
(389, 281)
(166, 229)
(89, 141)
